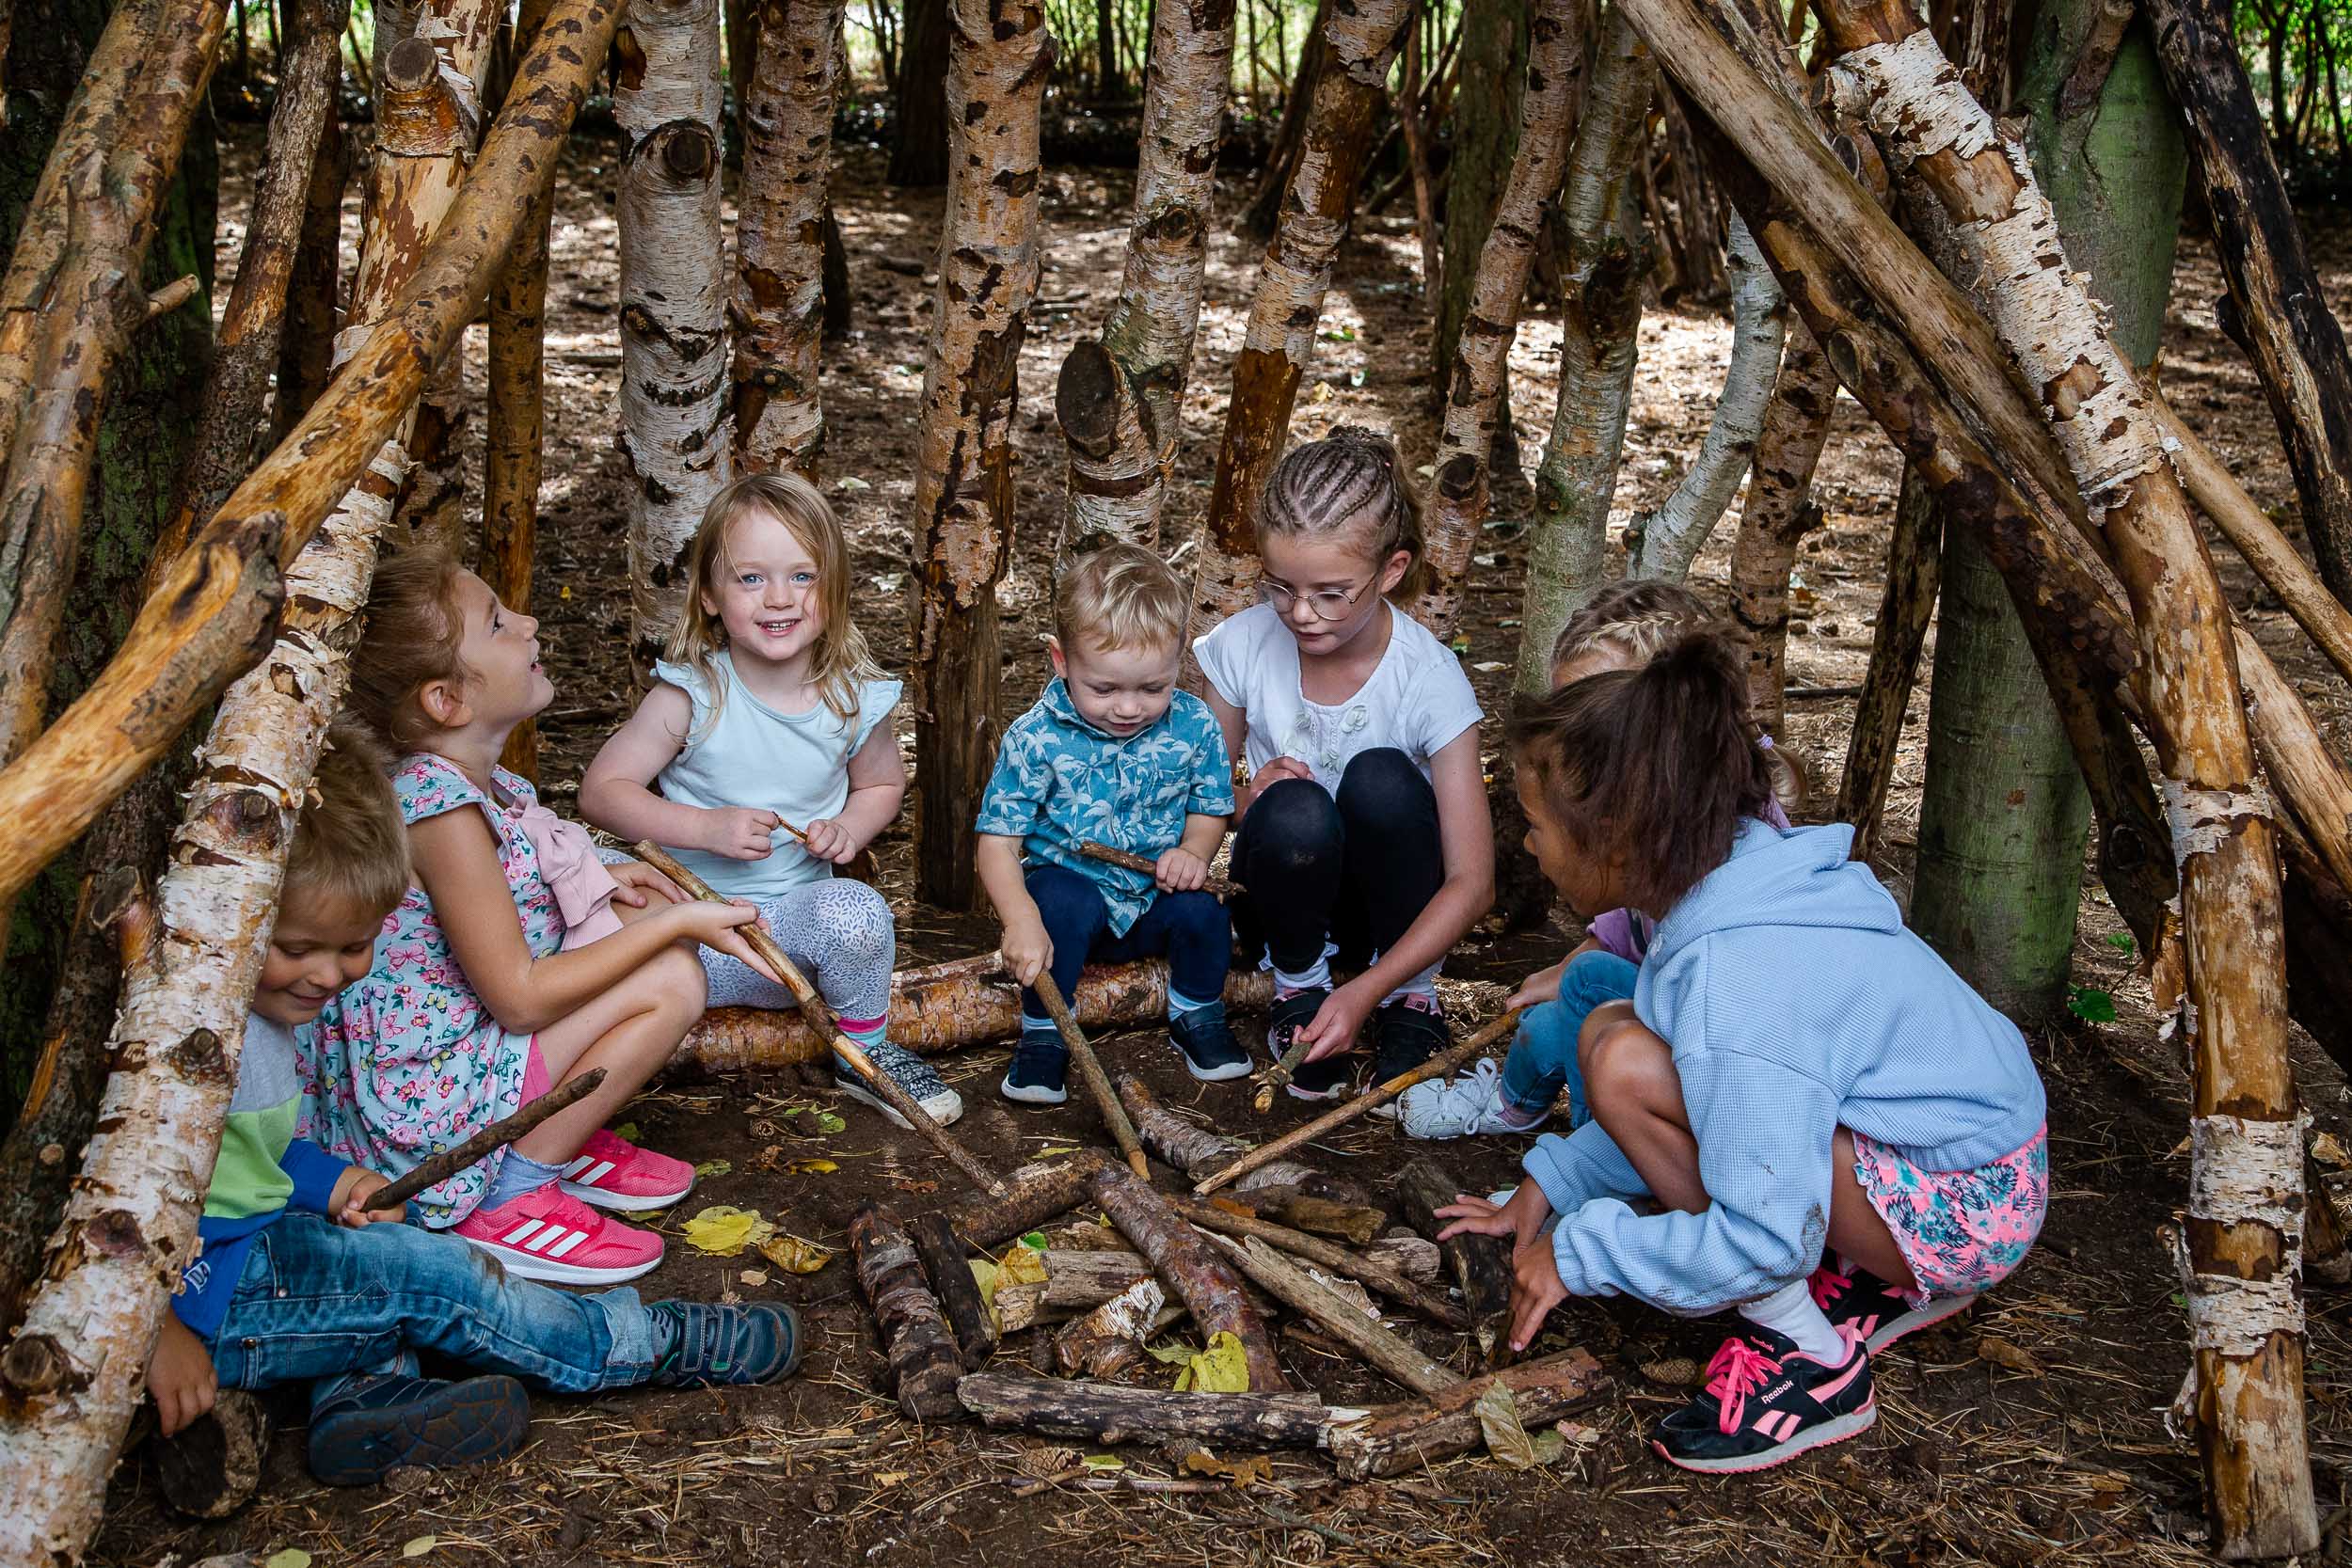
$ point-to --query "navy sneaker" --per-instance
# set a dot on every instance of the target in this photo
(1041, 1063)
(1211, 1054)
(1873, 1311)
(378, 1424)
(1322, 1080)
(712, 1343)
(1410, 1030)
(1766, 1402)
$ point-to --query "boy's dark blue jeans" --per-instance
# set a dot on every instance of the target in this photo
(1191, 929)
(320, 1303)
(1542, 1059)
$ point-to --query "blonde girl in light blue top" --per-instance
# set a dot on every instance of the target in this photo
(769, 715)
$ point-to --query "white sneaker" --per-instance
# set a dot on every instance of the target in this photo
(1467, 1107)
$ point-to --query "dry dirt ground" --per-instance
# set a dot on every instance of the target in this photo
(2027, 1434)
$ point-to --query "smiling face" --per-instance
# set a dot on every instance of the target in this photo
(1588, 882)
(504, 684)
(320, 946)
(763, 589)
(1307, 574)
(1121, 691)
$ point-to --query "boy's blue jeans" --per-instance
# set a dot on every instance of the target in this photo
(1190, 928)
(321, 1302)
(1542, 1058)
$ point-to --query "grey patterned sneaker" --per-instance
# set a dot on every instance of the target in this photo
(911, 1073)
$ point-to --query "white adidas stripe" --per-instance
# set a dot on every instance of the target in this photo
(522, 1233)
(568, 1243)
(572, 1169)
(595, 1176)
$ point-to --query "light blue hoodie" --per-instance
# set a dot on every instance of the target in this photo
(1796, 1003)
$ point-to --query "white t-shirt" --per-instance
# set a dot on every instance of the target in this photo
(1415, 698)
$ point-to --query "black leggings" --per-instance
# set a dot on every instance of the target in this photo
(1357, 868)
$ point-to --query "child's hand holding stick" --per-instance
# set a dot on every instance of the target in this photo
(1091, 1072)
(1147, 865)
(812, 1008)
(1437, 1067)
(1282, 1073)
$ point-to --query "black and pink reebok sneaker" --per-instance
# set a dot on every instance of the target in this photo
(1766, 1402)
(1860, 1303)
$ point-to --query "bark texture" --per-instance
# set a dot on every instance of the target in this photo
(1039, 1192)
(1475, 412)
(1121, 398)
(1197, 1150)
(919, 1357)
(964, 480)
(1113, 1412)
(1393, 1439)
(1480, 1266)
(1298, 1288)
(674, 347)
(1188, 1266)
(1378, 1273)
(1914, 570)
(1779, 513)
(1360, 43)
(779, 236)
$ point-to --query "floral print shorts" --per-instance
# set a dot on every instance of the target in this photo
(1961, 1231)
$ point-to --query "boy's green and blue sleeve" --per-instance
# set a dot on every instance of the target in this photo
(1014, 801)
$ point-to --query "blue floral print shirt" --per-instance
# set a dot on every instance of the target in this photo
(1060, 780)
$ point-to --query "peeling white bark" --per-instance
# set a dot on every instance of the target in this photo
(676, 431)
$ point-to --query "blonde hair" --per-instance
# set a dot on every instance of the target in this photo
(1121, 597)
(414, 630)
(1639, 620)
(1325, 485)
(350, 846)
(842, 658)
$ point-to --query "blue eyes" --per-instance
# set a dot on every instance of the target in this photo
(799, 579)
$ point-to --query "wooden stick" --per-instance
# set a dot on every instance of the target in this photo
(1119, 1413)
(942, 1252)
(919, 1355)
(1279, 1074)
(1197, 1150)
(1146, 865)
(1437, 1067)
(1336, 1315)
(448, 1162)
(1185, 1261)
(1091, 1074)
(1481, 1266)
(813, 1007)
(1038, 1192)
(1366, 1271)
(1396, 1438)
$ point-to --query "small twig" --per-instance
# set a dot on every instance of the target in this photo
(1818, 693)
(1090, 1073)
(1280, 1074)
(171, 296)
(1145, 864)
(441, 1167)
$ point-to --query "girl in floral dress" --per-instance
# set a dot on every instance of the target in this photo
(516, 961)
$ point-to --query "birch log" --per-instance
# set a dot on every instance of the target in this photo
(1779, 513)
(920, 1360)
(1183, 1259)
(779, 263)
(1197, 1150)
(1672, 536)
(673, 359)
(1359, 44)
(1474, 393)
(999, 55)
(2246, 1184)
(1039, 1192)
(207, 621)
(1603, 260)
(1121, 398)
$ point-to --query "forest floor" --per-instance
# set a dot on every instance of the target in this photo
(2028, 1433)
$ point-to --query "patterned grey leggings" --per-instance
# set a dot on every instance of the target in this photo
(841, 936)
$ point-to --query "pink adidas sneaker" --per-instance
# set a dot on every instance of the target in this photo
(545, 1235)
(613, 1173)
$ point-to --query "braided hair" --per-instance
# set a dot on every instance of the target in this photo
(1351, 477)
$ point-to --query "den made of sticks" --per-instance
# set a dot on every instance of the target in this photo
(1952, 409)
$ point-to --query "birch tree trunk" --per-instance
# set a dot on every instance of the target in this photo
(306, 347)
(2245, 1201)
(1474, 399)
(1488, 127)
(779, 266)
(998, 56)
(1670, 538)
(1602, 264)
(1120, 399)
(1360, 43)
(674, 361)
(1779, 513)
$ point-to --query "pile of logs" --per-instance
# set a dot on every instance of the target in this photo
(1236, 1266)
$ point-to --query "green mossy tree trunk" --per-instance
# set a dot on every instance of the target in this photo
(2003, 820)
(151, 414)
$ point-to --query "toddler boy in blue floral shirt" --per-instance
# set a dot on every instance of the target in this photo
(1115, 753)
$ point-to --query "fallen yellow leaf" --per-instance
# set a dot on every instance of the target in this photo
(1241, 1471)
(1222, 1369)
(793, 1255)
(2001, 1353)
(722, 1232)
(810, 1167)
(1021, 1266)
(420, 1545)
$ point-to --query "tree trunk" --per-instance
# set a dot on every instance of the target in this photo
(1039, 1192)
(306, 347)
(207, 619)
(1265, 204)
(1670, 537)
(1602, 261)
(779, 234)
(1914, 566)
(513, 448)
(1120, 399)
(1393, 1439)
(1417, 169)
(920, 1362)
(674, 347)
(1361, 41)
(964, 481)
(2276, 308)
(1779, 513)
(2247, 1198)
(1187, 1265)
(1487, 129)
(1113, 1412)
(1476, 406)
(1198, 1150)
(920, 157)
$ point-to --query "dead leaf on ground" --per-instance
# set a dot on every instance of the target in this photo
(723, 1231)
(1241, 1471)
(2002, 1353)
(1507, 1437)
(793, 1255)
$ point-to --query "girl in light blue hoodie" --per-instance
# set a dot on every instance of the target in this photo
(1795, 1071)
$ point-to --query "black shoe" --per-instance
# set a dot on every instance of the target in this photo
(1876, 1312)
(385, 1422)
(212, 1466)
(1041, 1063)
(1409, 1036)
(715, 1343)
(1766, 1402)
(1321, 1080)
(1211, 1054)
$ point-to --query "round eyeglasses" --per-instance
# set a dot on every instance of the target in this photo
(1324, 604)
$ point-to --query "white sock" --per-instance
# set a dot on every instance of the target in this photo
(1789, 1310)
(1316, 974)
(1038, 1025)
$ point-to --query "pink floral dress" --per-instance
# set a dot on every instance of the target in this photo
(409, 1060)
